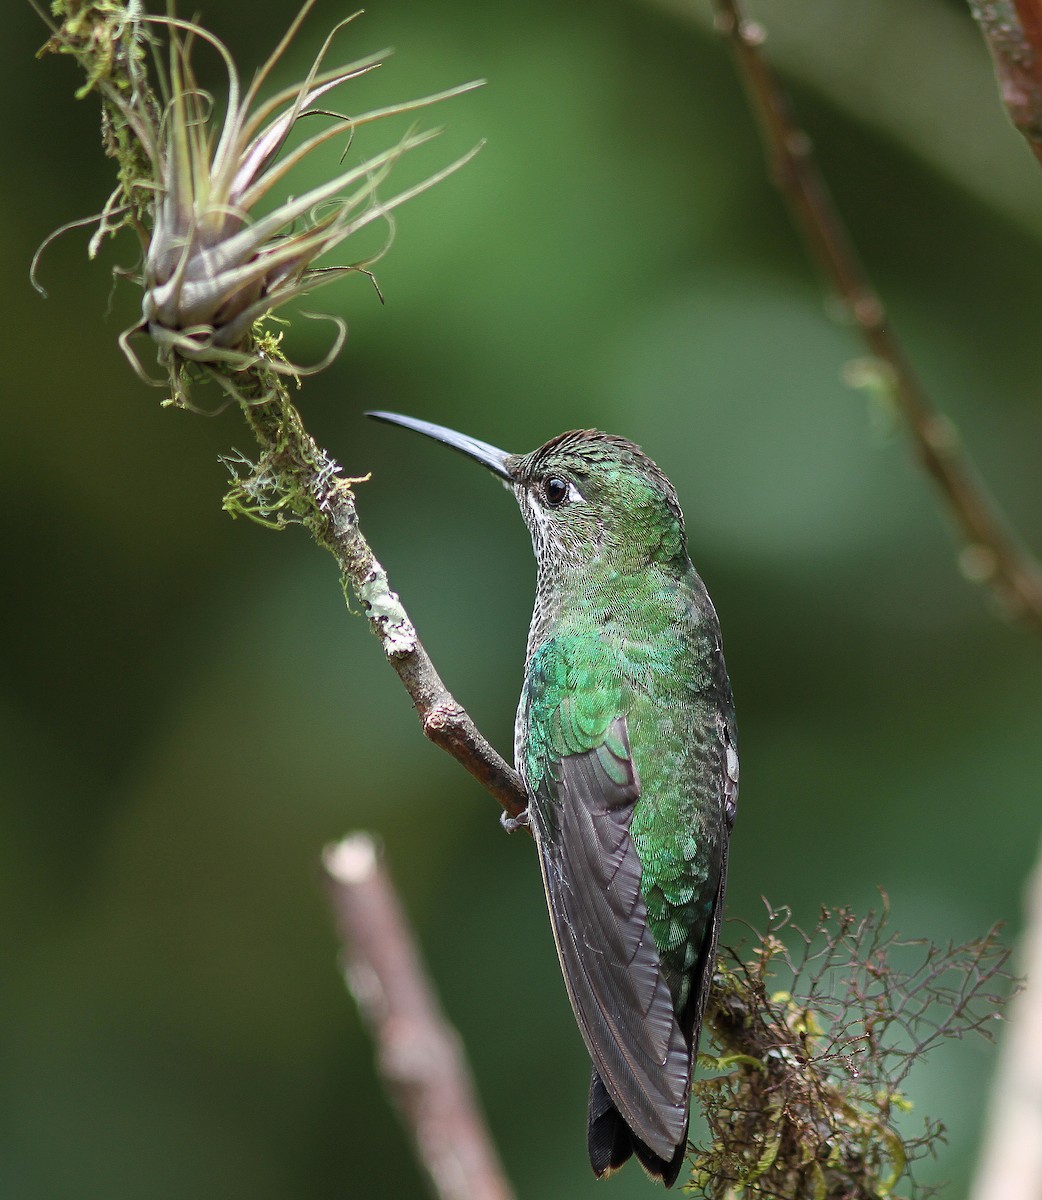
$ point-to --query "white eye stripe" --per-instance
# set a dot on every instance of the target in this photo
(574, 495)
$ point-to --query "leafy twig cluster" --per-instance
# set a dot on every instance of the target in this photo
(817, 1032)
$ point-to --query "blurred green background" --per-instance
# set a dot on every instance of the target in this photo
(189, 713)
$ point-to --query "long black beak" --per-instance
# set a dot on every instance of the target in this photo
(498, 461)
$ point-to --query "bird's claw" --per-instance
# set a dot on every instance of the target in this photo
(513, 824)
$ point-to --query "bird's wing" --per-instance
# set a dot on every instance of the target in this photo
(728, 738)
(583, 801)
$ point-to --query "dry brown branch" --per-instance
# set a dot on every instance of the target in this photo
(992, 553)
(418, 1052)
(1013, 32)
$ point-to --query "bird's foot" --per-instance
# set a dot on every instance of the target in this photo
(513, 824)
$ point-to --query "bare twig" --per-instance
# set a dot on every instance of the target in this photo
(1013, 32)
(1011, 1158)
(992, 553)
(419, 1053)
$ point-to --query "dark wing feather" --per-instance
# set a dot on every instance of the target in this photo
(610, 962)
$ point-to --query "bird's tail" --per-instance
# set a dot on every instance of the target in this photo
(610, 1141)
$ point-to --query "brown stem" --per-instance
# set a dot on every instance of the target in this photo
(418, 1052)
(323, 497)
(1013, 32)
(992, 553)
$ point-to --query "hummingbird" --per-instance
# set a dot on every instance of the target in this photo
(626, 741)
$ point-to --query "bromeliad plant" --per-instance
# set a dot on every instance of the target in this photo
(191, 185)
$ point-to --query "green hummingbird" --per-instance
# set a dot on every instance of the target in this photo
(626, 741)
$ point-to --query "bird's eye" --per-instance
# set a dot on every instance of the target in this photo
(555, 490)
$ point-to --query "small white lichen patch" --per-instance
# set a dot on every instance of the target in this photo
(384, 607)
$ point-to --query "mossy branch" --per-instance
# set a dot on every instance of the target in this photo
(293, 479)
